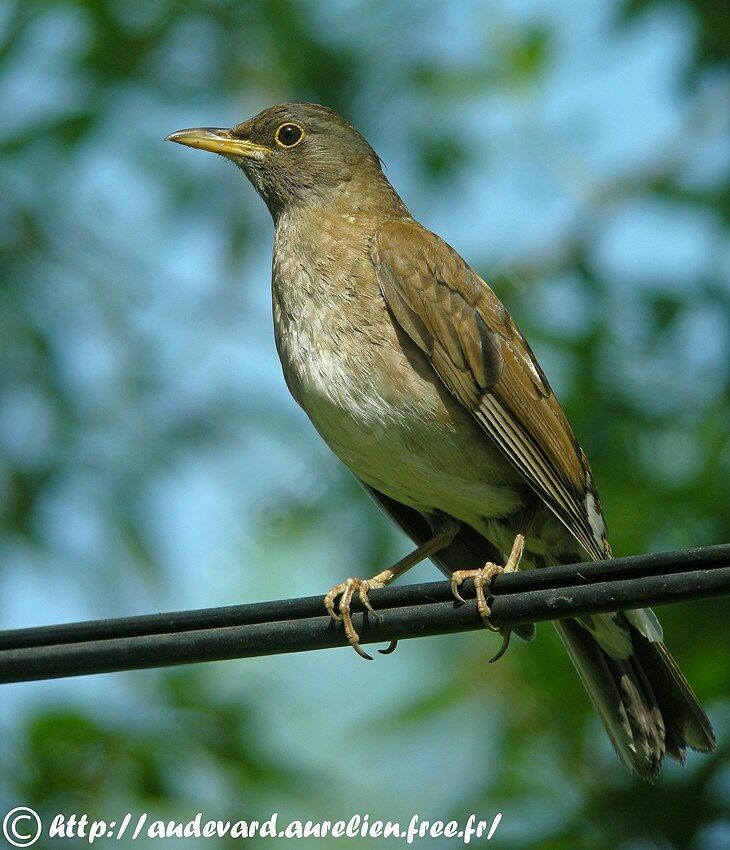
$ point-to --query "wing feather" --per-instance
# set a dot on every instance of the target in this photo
(481, 356)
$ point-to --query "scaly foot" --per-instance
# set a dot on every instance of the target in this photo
(346, 591)
(447, 529)
(484, 576)
(481, 577)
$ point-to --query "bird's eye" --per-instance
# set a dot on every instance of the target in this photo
(289, 135)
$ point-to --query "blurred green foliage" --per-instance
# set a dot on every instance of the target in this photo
(151, 458)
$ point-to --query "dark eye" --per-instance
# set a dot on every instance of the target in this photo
(289, 135)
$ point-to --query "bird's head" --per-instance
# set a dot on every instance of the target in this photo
(296, 154)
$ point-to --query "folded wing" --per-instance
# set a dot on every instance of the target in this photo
(481, 356)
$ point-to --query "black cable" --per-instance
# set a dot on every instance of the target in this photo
(295, 625)
(634, 566)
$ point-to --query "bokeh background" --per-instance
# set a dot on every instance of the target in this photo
(151, 459)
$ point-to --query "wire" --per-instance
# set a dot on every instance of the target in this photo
(298, 625)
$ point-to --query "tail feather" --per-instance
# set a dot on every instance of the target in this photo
(644, 701)
(686, 723)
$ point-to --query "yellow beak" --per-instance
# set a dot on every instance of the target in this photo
(218, 140)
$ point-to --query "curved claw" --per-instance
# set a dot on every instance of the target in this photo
(505, 645)
(365, 602)
(361, 652)
(390, 648)
(345, 591)
(455, 592)
(329, 600)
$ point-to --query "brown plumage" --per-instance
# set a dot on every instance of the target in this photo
(481, 356)
(416, 376)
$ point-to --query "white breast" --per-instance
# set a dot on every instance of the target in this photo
(381, 409)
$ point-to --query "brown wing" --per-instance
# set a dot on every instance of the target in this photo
(482, 357)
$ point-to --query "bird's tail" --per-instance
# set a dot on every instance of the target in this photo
(646, 704)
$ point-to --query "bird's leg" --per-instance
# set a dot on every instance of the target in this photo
(515, 556)
(347, 589)
(483, 577)
(485, 574)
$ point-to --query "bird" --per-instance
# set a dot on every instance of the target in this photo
(416, 376)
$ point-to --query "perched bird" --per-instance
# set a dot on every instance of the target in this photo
(415, 375)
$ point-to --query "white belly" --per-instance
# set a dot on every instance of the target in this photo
(384, 413)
